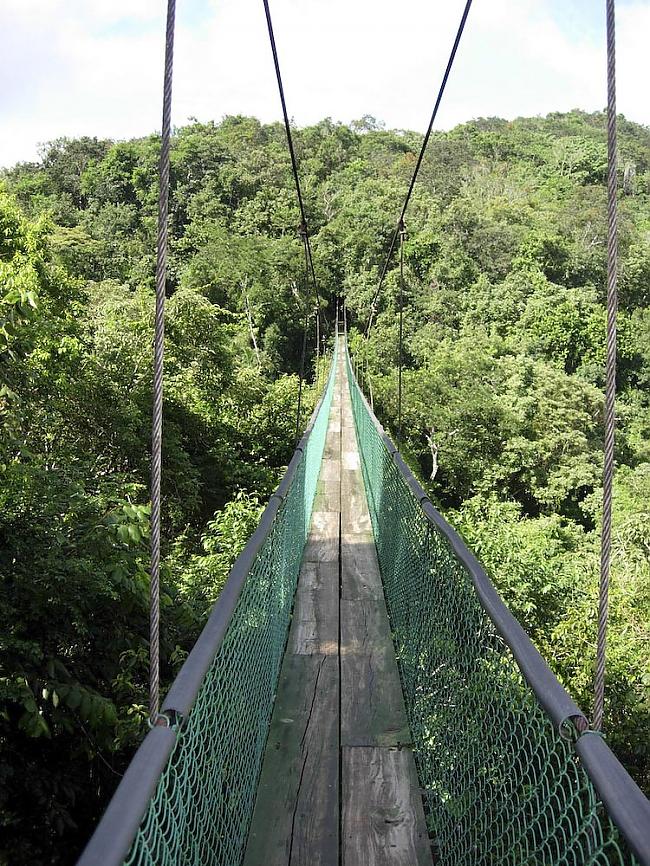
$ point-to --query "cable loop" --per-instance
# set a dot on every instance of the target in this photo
(167, 719)
(571, 728)
(594, 733)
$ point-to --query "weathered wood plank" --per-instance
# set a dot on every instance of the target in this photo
(330, 469)
(328, 496)
(315, 625)
(359, 566)
(364, 626)
(372, 704)
(323, 540)
(332, 449)
(348, 441)
(324, 525)
(350, 462)
(354, 505)
(296, 818)
(383, 821)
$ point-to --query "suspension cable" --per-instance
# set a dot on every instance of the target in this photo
(303, 353)
(294, 163)
(416, 170)
(159, 340)
(610, 382)
(402, 238)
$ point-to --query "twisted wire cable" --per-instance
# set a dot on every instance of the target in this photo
(610, 382)
(402, 238)
(159, 340)
(303, 353)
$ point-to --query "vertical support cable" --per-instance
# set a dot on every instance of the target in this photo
(402, 237)
(303, 234)
(159, 340)
(610, 383)
(317, 375)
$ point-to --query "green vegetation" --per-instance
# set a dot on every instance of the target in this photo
(504, 333)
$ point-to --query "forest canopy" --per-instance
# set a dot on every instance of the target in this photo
(503, 410)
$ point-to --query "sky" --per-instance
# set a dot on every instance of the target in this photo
(94, 67)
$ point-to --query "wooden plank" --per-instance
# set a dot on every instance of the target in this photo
(328, 496)
(315, 624)
(332, 449)
(359, 566)
(354, 505)
(364, 626)
(372, 704)
(350, 462)
(348, 439)
(324, 525)
(296, 817)
(383, 821)
(330, 469)
(323, 540)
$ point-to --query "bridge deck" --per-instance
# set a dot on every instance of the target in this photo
(338, 783)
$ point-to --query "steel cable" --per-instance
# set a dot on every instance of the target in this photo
(292, 153)
(159, 340)
(416, 170)
(610, 383)
(303, 353)
(402, 238)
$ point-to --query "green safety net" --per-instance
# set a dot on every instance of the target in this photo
(203, 804)
(499, 783)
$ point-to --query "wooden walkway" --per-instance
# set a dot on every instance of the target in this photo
(338, 783)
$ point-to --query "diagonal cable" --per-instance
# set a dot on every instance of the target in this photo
(416, 170)
(292, 152)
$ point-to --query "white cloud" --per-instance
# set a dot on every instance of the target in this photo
(76, 67)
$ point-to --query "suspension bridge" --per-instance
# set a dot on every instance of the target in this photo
(360, 695)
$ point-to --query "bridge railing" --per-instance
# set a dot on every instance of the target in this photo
(509, 771)
(188, 795)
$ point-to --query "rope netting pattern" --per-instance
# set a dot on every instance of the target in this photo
(203, 804)
(499, 784)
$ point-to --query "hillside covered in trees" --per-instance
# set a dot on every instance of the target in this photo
(505, 340)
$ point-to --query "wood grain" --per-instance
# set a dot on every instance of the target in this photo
(296, 817)
(323, 540)
(372, 705)
(328, 496)
(315, 625)
(359, 567)
(383, 821)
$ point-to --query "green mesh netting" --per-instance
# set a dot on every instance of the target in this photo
(201, 811)
(500, 786)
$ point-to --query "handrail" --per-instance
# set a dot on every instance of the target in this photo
(114, 835)
(627, 805)
(185, 688)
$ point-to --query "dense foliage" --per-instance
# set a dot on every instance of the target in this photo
(503, 394)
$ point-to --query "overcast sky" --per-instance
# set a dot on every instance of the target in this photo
(93, 67)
